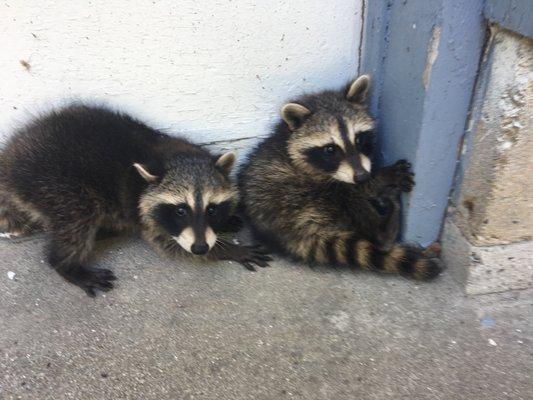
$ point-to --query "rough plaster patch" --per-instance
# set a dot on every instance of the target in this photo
(432, 54)
(509, 210)
(496, 202)
(487, 269)
(499, 268)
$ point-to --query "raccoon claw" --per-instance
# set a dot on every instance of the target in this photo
(250, 255)
(91, 279)
(403, 177)
(402, 165)
(407, 183)
(101, 280)
(248, 266)
(397, 176)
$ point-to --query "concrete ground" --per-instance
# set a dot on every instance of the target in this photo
(171, 330)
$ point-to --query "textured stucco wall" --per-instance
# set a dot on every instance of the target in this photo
(215, 70)
(487, 240)
(496, 200)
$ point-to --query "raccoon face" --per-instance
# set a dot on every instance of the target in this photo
(191, 203)
(335, 139)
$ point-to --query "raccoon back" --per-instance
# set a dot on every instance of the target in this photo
(81, 149)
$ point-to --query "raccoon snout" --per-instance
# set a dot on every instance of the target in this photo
(199, 248)
(198, 243)
(361, 176)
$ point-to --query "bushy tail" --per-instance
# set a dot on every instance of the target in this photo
(405, 260)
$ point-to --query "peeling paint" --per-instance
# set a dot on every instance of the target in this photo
(361, 34)
(432, 54)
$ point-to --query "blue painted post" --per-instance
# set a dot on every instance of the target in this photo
(429, 55)
(515, 15)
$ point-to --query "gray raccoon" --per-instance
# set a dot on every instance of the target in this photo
(309, 190)
(84, 169)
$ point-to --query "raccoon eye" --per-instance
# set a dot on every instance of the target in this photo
(181, 211)
(212, 210)
(328, 149)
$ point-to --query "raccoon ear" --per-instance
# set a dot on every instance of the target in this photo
(294, 115)
(358, 90)
(147, 176)
(225, 162)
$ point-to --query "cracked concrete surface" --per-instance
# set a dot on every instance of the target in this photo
(172, 330)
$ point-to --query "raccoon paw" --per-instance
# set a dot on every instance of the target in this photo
(250, 255)
(89, 279)
(396, 176)
(404, 177)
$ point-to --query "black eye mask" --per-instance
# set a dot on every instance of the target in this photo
(217, 215)
(175, 218)
(327, 158)
(365, 143)
(170, 217)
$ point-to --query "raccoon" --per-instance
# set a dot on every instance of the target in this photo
(309, 190)
(86, 169)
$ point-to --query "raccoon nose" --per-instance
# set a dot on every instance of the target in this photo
(199, 248)
(361, 176)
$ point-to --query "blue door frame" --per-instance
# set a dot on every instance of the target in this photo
(424, 57)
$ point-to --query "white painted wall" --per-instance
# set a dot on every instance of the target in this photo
(215, 70)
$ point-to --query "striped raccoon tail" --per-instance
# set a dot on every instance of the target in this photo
(408, 261)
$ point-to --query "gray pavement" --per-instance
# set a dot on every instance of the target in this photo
(174, 330)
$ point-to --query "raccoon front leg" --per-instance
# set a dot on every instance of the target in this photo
(245, 255)
(69, 250)
(386, 186)
(396, 177)
(223, 250)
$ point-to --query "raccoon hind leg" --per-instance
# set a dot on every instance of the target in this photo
(389, 225)
(69, 250)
